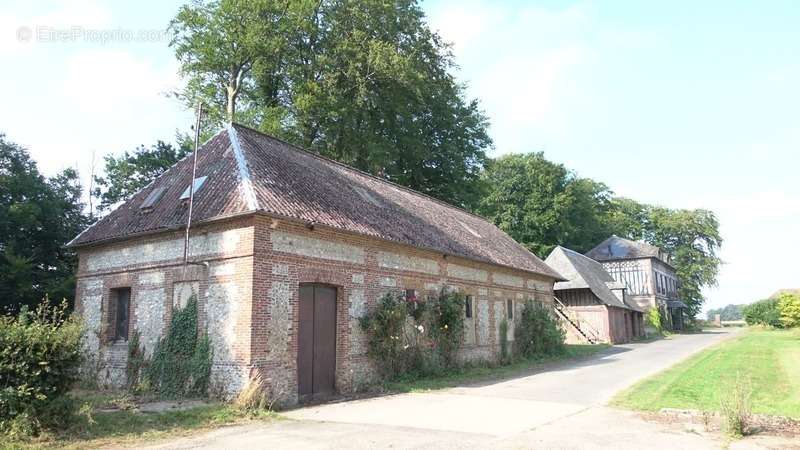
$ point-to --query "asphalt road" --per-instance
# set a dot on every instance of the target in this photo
(561, 407)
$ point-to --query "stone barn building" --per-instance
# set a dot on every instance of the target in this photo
(647, 272)
(593, 304)
(288, 249)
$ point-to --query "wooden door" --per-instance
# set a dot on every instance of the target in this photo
(316, 343)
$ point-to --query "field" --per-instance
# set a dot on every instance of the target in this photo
(766, 362)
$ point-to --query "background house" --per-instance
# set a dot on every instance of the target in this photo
(595, 304)
(288, 251)
(648, 274)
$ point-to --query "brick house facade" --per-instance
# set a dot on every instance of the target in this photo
(263, 233)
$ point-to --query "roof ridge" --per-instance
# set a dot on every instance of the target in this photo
(361, 172)
(244, 172)
(579, 254)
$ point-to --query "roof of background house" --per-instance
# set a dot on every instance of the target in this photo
(585, 273)
(616, 247)
(249, 172)
(777, 293)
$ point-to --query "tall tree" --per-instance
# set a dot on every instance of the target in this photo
(219, 42)
(692, 238)
(127, 173)
(541, 204)
(37, 217)
(366, 83)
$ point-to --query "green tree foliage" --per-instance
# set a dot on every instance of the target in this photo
(542, 204)
(38, 216)
(763, 312)
(789, 307)
(727, 312)
(366, 83)
(692, 238)
(537, 332)
(40, 356)
(126, 174)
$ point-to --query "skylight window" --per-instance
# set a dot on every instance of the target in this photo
(198, 183)
(155, 195)
(366, 196)
(470, 230)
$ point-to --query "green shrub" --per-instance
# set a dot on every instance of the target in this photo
(386, 337)
(136, 364)
(40, 356)
(181, 363)
(655, 320)
(414, 339)
(445, 319)
(537, 332)
(764, 312)
(789, 307)
(503, 331)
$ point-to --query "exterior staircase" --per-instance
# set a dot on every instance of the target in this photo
(591, 334)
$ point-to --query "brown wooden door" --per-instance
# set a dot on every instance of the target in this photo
(316, 343)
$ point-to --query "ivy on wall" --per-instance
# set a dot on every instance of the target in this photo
(181, 361)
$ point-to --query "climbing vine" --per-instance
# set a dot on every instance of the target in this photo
(181, 362)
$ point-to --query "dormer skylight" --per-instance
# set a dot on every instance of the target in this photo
(366, 196)
(198, 183)
(470, 230)
(155, 195)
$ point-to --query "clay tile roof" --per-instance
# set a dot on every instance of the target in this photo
(585, 273)
(249, 172)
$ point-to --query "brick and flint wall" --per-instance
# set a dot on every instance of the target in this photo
(248, 296)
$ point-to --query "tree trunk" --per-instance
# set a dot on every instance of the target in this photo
(231, 106)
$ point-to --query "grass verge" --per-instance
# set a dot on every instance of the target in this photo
(130, 427)
(767, 360)
(484, 372)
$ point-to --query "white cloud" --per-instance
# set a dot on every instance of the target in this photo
(103, 82)
(520, 63)
(19, 30)
(760, 245)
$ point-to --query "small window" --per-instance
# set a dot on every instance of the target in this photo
(510, 309)
(155, 195)
(198, 183)
(121, 299)
(411, 295)
(468, 307)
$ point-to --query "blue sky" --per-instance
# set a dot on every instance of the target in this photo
(680, 103)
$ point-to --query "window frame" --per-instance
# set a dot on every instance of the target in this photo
(509, 309)
(116, 325)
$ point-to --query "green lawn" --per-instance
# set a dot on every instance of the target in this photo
(768, 361)
(484, 372)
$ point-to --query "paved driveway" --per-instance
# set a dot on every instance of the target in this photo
(557, 408)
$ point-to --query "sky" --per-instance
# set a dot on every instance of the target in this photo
(683, 104)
